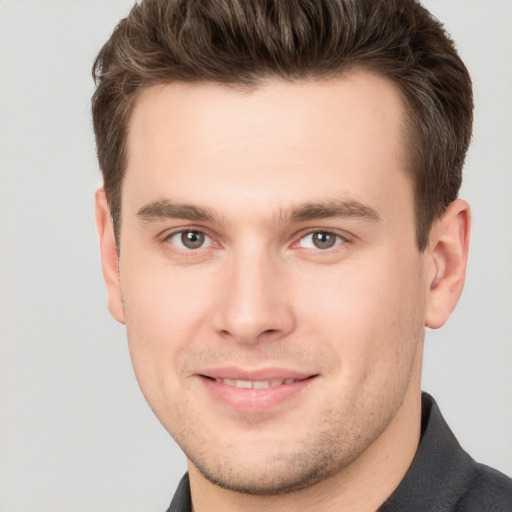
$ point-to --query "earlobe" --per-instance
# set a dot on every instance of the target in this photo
(448, 254)
(109, 255)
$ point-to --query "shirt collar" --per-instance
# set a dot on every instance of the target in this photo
(439, 461)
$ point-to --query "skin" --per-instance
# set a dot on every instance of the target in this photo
(261, 173)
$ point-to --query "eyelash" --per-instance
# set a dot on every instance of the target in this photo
(338, 240)
(168, 238)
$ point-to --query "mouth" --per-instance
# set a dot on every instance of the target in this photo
(256, 392)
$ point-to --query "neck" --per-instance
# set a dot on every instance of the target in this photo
(363, 485)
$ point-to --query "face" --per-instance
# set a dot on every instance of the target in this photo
(270, 281)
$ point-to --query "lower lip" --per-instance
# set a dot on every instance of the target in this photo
(255, 400)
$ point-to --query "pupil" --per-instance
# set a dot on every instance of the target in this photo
(192, 239)
(324, 240)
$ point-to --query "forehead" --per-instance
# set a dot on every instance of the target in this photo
(294, 139)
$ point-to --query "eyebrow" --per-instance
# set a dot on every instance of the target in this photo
(160, 210)
(332, 209)
(166, 209)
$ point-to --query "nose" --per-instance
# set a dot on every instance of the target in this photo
(254, 300)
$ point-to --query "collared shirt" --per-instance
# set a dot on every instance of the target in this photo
(441, 478)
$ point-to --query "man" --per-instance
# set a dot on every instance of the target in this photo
(279, 223)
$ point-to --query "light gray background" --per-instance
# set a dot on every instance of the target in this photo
(75, 432)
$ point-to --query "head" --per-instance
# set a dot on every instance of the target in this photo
(282, 181)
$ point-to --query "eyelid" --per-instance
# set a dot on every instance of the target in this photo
(342, 238)
(168, 235)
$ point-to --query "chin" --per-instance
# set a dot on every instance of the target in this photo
(272, 474)
(266, 483)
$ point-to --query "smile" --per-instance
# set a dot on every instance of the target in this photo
(254, 392)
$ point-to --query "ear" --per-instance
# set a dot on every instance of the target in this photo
(109, 256)
(448, 255)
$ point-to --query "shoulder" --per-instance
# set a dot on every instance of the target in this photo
(489, 491)
(445, 478)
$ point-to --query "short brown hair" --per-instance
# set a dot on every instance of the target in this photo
(242, 42)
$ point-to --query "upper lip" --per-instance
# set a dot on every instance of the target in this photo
(263, 374)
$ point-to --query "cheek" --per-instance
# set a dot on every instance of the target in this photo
(369, 313)
(161, 301)
(164, 313)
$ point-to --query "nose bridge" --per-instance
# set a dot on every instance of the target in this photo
(254, 302)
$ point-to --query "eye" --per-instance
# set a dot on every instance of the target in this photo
(320, 240)
(190, 239)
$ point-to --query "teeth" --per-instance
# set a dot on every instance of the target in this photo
(260, 384)
(256, 384)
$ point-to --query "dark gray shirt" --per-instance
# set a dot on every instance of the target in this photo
(442, 476)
